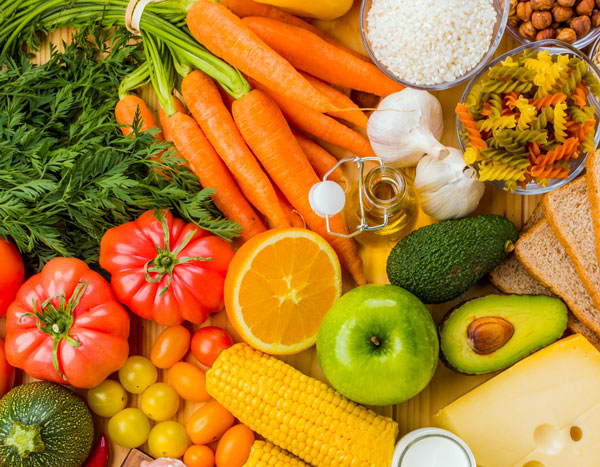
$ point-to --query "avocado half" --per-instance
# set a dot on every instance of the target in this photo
(491, 333)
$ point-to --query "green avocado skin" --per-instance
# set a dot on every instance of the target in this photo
(439, 262)
(537, 321)
(67, 425)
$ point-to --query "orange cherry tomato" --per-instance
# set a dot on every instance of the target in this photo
(208, 423)
(189, 381)
(170, 346)
(234, 447)
(199, 456)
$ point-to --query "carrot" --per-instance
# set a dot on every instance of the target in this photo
(319, 158)
(166, 130)
(308, 52)
(125, 111)
(205, 103)
(228, 99)
(226, 35)
(340, 100)
(267, 133)
(319, 125)
(243, 8)
(212, 173)
(294, 216)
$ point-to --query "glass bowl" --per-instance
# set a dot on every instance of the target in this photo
(595, 49)
(501, 7)
(578, 44)
(577, 165)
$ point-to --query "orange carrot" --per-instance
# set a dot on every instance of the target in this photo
(319, 158)
(205, 103)
(267, 133)
(228, 99)
(125, 111)
(164, 119)
(340, 100)
(308, 52)
(294, 216)
(319, 125)
(226, 35)
(212, 173)
(243, 8)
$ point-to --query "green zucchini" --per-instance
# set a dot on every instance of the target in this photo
(44, 424)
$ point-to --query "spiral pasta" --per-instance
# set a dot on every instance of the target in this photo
(490, 124)
(560, 122)
(499, 171)
(564, 151)
(579, 96)
(527, 113)
(471, 126)
(550, 99)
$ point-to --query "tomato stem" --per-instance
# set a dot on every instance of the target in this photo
(165, 261)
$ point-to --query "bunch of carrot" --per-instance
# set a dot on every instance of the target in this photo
(245, 148)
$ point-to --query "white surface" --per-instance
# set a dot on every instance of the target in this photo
(327, 198)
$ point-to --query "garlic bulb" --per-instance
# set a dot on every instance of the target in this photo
(406, 126)
(447, 188)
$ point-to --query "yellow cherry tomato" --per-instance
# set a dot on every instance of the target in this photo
(234, 447)
(189, 381)
(160, 402)
(208, 423)
(168, 439)
(107, 398)
(129, 428)
(199, 455)
(170, 346)
(137, 374)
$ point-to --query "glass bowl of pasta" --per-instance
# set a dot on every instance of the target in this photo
(527, 122)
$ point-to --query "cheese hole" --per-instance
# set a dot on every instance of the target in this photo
(534, 464)
(576, 433)
(548, 439)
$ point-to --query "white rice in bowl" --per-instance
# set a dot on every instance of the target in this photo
(426, 42)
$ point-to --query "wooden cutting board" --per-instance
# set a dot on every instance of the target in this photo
(445, 386)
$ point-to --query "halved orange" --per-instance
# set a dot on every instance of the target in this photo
(279, 286)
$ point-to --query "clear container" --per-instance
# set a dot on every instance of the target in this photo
(594, 50)
(502, 8)
(577, 165)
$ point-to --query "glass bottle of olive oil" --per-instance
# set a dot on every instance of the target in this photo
(386, 193)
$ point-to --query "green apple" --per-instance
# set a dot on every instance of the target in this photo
(378, 345)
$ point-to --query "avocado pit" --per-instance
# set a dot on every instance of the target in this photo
(486, 335)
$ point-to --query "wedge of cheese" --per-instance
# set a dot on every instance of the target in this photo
(542, 412)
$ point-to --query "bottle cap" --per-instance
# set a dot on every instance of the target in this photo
(432, 447)
(327, 198)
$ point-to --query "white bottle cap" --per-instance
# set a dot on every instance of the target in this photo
(432, 447)
(327, 198)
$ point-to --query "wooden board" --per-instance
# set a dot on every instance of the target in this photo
(445, 386)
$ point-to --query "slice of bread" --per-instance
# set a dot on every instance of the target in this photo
(577, 326)
(592, 166)
(569, 213)
(546, 260)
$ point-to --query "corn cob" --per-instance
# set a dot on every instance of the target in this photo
(264, 454)
(298, 413)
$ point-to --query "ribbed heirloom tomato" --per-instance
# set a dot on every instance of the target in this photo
(66, 326)
(166, 270)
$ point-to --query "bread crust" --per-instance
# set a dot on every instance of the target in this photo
(592, 166)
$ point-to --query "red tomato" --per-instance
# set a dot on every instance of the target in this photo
(234, 447)
(170, 346)
(189, 382)
(209, 342)
(7, 372)
(12, 274)
(199, 456)
(167, 272)
(79, 333)
(208, 423)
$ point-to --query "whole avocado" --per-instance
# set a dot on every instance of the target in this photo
(439, 262)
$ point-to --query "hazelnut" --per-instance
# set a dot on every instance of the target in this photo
(527, 30)
(514, 21)
(547, 33)
(598, 3)
(585, 7)
(581, 25)
(568, 2)
(567, 35)
(538, 5)
(561, 13)
(595, 18)
(524, 11)
(541, 19)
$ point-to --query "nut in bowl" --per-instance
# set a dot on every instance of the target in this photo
(527, 122)
(432, 44)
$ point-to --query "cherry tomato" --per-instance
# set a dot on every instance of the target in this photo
(199, 456)
(137, 374)
(189, 381)
(168, 439)
(12, 274)
(160, 402)
(129, 428)
(107, 398)
(170, 346)
(209, 342)
(234, 447)
(208, 423)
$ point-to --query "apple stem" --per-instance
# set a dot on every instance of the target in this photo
(375, 341)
